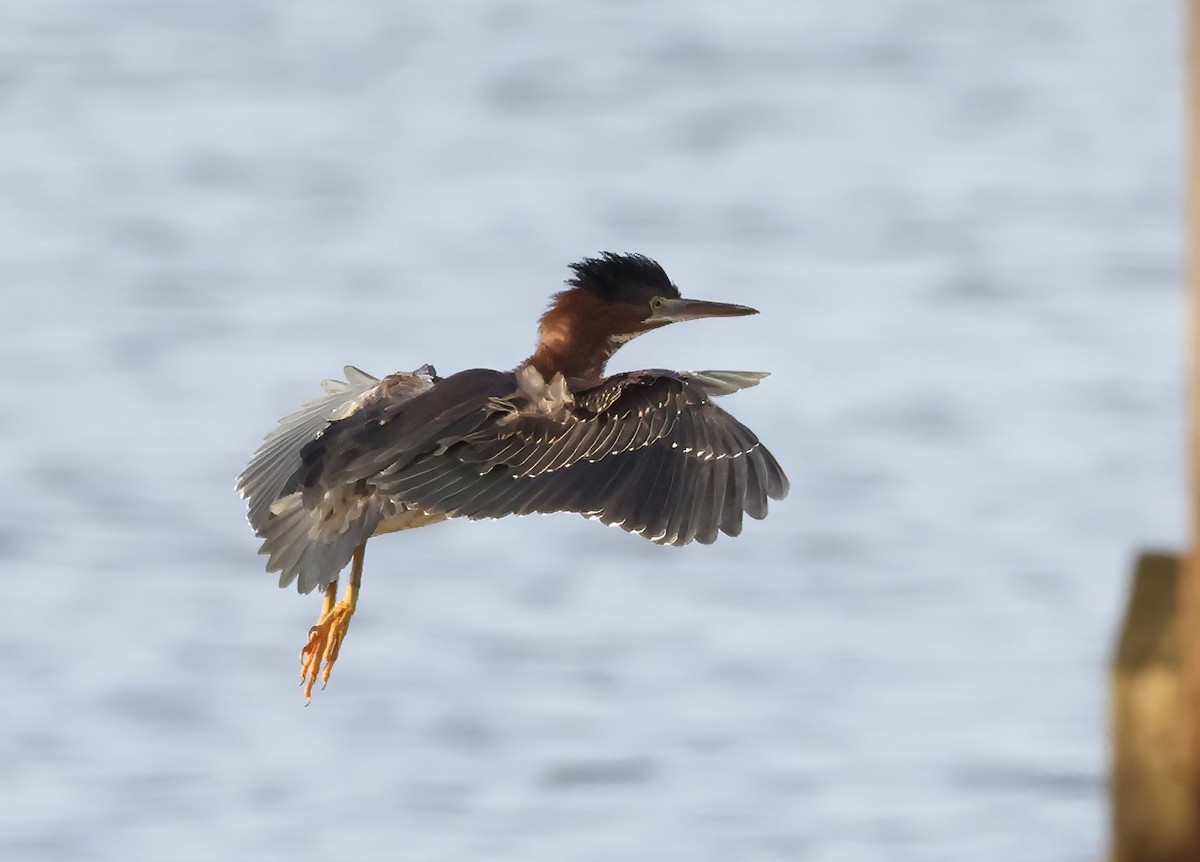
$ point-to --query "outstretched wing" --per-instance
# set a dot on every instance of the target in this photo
(275, 461)
(647, 451)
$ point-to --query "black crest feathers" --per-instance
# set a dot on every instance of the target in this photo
(622, 277)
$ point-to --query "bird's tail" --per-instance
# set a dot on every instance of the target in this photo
(304, 547)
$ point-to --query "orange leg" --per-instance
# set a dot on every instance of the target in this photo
(325, 638)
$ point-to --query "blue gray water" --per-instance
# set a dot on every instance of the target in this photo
(961, 221)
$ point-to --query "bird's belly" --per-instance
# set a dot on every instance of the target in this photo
(407, 520)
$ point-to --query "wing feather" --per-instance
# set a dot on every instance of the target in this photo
(274, 465)
(274, 462)
(714, 500)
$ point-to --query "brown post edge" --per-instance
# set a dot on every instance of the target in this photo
(1151, 795)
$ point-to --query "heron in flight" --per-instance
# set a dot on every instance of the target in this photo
(646, 451)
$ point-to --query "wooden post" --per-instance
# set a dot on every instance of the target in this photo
(1151, 803)
(1189, 587)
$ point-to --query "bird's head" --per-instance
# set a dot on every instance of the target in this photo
(635, 294)
(610, 300)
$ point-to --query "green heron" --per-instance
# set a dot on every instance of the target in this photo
(646, 451)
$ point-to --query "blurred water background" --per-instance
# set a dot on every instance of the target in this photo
(961, 221)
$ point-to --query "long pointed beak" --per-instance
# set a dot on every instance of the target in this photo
(674, 310)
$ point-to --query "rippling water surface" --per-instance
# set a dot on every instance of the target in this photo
(961, 223)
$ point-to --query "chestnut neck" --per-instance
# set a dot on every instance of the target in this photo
(579, 333)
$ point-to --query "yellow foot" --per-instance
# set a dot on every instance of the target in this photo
(324, 642)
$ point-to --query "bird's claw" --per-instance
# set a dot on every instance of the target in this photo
(324, 643)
